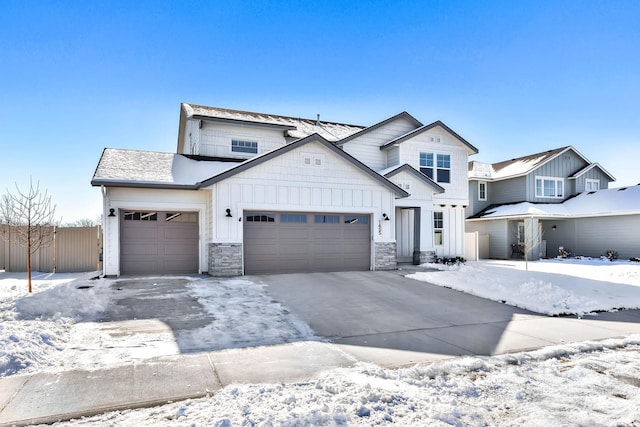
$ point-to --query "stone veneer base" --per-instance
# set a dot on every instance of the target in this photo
(225, 259)
(385, 256)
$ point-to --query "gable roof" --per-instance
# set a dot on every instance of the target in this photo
(294, 127)
(402, 115)
(299, 143)
(588, 168)
(521, 166)
(151, 169)
(609, 202)
(425, 128)
(422, 177)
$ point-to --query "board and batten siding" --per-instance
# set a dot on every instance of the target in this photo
(286, 184)
(145, 199)
(562, 166)
(595, 173)
(215, 139)
(457, 191)
(366, 147)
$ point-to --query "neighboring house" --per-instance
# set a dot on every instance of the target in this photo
(250, 193)
(550, 200)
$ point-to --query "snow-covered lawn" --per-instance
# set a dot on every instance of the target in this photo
(567, 286)
(578, 384)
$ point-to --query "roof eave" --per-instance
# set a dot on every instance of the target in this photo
(242, 122)
(135, 184)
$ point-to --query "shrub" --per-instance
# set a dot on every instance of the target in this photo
(634, 259)
(611, 255)
(448, 260)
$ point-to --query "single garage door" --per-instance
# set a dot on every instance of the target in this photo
(306, 242)
(158, 242)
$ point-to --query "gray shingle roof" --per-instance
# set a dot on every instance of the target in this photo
(135, 168)
(295, 127)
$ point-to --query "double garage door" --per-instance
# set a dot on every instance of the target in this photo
(306, 242)
(158, 242)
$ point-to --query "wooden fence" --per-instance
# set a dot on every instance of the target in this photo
(73, 249)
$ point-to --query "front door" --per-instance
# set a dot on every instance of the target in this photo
(405, 234)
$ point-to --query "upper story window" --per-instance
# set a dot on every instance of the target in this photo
(482, 190)
(436, 166)
(549, 187)
(592, 185)
(240, 146)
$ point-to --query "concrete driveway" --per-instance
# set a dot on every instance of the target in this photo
(385, 318)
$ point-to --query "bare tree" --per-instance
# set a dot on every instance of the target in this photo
(531, 239)
(32, 214)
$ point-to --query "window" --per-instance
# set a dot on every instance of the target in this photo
(260, 217)
(438, 225)
(592, 185)
(549, 187)
(244, 146)
(482, 190)
(140, 216)
(442, 166)
(356, 219)
(181, 217)
(329, 219)
(298, 218)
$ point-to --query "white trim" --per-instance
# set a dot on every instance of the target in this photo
(556, 180)
(235, 139)
(591, 181)
(480, 183)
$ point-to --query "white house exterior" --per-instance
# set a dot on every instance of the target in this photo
(250, 193)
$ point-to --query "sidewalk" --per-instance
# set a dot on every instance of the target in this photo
(51, 397)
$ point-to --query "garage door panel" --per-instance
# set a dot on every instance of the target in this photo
(283, 246)
(159, 246)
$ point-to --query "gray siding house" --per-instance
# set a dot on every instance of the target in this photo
(549, 201)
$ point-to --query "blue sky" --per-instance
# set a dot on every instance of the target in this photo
(511, 77)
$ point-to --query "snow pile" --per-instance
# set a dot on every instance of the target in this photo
(578, 384)
(551, 287)
(36, 326)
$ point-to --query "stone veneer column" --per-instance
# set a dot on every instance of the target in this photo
(225, 259)
(385, 258)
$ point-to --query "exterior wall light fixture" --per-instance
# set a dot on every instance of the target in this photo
(112, 212)
(228, 215)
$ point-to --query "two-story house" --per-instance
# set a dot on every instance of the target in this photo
(249, 193)
(549, 201)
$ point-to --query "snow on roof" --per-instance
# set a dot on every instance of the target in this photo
(613, 201)
(154, 168)
(513, 167)
(302, 127)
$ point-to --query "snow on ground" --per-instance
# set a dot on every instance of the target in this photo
(591, 383)
(553, 287)
(55, 329)
(33, 328)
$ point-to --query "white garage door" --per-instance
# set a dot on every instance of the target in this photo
(158, 242)
(306, 242)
